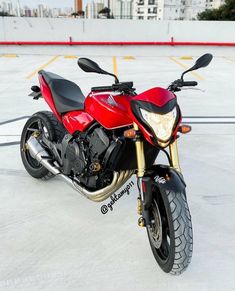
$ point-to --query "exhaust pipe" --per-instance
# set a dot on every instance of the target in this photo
(38, 153)
(42, 156)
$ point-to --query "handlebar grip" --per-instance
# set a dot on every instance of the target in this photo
(189, 83)
(102, 88)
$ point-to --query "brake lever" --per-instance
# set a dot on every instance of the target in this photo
(193, 88)
(175, 86)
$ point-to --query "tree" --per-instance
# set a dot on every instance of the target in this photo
(224, 12)
(106, 12)
(79, 14)
(2, 13)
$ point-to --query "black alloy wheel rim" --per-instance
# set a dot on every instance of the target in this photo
(163, 251)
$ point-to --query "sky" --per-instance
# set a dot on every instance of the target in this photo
(50, 3)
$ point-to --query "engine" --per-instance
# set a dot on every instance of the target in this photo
(89, 158)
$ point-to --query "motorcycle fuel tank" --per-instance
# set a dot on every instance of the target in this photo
(109, 109)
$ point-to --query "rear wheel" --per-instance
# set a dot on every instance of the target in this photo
(44, 123)
(170, 232)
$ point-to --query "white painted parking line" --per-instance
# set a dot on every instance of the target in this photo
(209, 120)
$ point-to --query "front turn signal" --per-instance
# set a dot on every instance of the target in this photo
(130, 133)
(184, 128)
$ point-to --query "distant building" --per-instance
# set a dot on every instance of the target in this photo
(77, 5)
(17, 10)
(40, 10)
(146, 9)
(119, 9)
(172, 9)
(93, 9)
(191, 9)
(122, 9)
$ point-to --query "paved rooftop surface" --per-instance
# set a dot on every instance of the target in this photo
(53, 239)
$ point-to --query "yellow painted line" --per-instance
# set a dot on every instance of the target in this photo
(186, 58)
(10, 56)
(70, 57)
(115, 65)
(128, 58)
(185, 67)
(42, 67)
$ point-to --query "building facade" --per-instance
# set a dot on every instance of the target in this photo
(172, 9)
(93, 9)
(77, 5)
(122, 9)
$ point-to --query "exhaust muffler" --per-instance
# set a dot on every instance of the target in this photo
(43, 157)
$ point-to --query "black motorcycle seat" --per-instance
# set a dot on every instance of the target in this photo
(67, 95)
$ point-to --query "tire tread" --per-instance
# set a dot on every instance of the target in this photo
(183, 231)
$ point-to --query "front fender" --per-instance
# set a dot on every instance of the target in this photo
(167, 178)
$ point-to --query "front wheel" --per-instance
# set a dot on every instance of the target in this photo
(170, 232)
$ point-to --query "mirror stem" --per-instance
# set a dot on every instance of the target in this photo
(182, 76)
(116, 78)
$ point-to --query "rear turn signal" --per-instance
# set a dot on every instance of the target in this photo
(184, 128)
(130, 133)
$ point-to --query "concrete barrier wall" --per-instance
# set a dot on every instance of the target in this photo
(55, 29)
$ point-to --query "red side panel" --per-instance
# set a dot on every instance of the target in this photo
(46, 93)
(109, 110)
(77, 121)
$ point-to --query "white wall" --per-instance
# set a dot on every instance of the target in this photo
(55, 29)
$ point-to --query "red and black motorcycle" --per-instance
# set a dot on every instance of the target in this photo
(97, 143)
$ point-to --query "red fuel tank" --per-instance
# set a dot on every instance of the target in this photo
(109, 109)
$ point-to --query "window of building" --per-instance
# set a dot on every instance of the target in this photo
(141, 17)
(141, 2)
(151, 2)
(140, 11)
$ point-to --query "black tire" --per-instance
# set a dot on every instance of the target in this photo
(172, 246)
(46, 123)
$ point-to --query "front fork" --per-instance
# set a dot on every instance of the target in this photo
(145, 183)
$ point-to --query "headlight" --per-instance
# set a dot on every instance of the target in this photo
(162, 125)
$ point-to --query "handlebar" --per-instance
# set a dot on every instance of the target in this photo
(189, 83)
(177, 84)
(102, 88)
(126, 87)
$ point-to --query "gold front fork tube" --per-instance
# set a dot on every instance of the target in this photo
(175, 155)
(140, 155)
